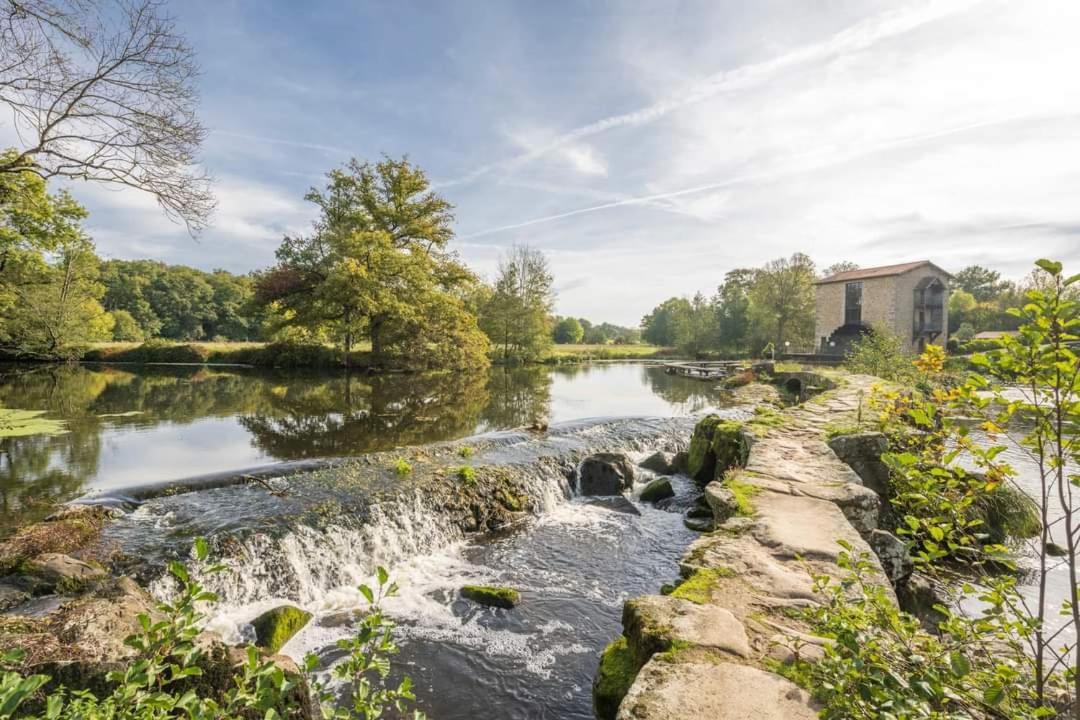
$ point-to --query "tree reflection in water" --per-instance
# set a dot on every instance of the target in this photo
(287, 415)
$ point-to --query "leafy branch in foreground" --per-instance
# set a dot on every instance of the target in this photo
(163, 680)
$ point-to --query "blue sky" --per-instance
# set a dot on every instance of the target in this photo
(647, 147)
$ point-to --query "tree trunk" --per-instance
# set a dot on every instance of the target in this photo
(378, 323)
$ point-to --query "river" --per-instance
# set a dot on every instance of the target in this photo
(575, 562)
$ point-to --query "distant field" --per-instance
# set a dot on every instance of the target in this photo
(610, 352)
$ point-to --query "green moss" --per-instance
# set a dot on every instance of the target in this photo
(402, 467)
(465, 451)
(510, 501)
(276, 627)
(675, 651)
(699, 586)
(613, 679)
(501, 597)
(715, 446)
(657, 490)
(839, 429)
(466, 475)
(744, 493)
(766, 416)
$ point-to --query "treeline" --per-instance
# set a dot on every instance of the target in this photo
(751, 309)
(376, 278)
(571, 331)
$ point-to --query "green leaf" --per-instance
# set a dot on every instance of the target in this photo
(1050, 266)
(959, 663)
(202, 550)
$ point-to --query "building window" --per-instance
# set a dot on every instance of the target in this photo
(853, 303)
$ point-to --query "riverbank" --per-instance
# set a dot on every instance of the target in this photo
(710, 648)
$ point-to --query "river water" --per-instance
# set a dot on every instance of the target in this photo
(575, 562)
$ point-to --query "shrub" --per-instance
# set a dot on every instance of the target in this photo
(466, 475)
(881, 353)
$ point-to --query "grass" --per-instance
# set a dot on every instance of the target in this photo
(744, 493)
(402, 467)
(606, 352)
(466, 475)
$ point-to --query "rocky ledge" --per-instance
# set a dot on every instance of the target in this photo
(707, 648)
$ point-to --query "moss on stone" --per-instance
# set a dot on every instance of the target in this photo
(715, 446)
(699, 586)
(276, 627)
(744, 493)
(494, 596)
(613, 679)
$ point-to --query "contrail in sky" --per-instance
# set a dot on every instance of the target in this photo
(821, 164)
(858, 37)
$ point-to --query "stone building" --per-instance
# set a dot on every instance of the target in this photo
(911, 300)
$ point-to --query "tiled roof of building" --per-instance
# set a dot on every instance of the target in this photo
(876, 272)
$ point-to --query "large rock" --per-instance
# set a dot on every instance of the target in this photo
(716, 691)
(715, 446)
(863, 451)
(657, 623)
(661, 463)
(893, 554)
(11, 596)
(722, 502)
(277, 626)
(658, 489)
(613, 679)
(605, 474)
(62, 573)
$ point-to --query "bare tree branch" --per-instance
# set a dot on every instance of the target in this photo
(104, 90)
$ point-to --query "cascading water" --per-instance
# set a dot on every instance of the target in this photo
(326, 531)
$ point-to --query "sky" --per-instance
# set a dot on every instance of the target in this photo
(646, 146)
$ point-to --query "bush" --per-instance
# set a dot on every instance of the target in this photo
(881, 353)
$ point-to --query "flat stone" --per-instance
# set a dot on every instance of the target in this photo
(792, 526)
(753, 564)
(707, 691)
(656, 623)
(64, 572)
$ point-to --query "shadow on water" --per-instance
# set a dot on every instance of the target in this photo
(129, 426)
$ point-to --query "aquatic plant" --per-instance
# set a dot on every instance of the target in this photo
(20, 423)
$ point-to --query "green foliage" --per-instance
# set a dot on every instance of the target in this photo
(466, 474)
(698, 588)
(125, 327)
(659, 327)
(883, 664)
(402, 467)
(881, 353)
(378, 266)
(162, 682)
(964, 333)
(782, 303)
(465, 451)
(568, 331)
(516, 315)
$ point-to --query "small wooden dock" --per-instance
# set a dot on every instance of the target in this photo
(705, 370)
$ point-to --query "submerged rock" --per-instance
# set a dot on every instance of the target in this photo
(277, 626)
(492, 596)
(614, 503)
(605, 474)
(658, 489)
(661, 463)
(699, 524)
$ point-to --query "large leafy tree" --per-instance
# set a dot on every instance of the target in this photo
(782, 301)
(982, 283)
(732, 304)
(660, 327)
(568, 330)
(378, 266)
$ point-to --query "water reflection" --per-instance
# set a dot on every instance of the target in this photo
(134, 425)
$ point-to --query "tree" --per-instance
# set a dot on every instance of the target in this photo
(104, 90)
(839, 267)
(125, 327)
(517, 317)
(568, 331)
(695, 328)
(782, 301)
(732, 305)
(983, 284)
(376, 263)
(659, 326)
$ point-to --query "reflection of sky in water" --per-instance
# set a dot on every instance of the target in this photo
(132, 456)
(132, 426)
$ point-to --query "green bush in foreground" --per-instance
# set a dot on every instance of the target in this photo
(157, 684)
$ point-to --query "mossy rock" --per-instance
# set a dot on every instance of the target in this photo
(716, 446)
(659, 489)
(613, 679)
(276, 627)
(492, 596)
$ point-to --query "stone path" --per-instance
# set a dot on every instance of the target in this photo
(709, 644)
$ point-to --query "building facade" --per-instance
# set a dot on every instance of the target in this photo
(910, 300)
